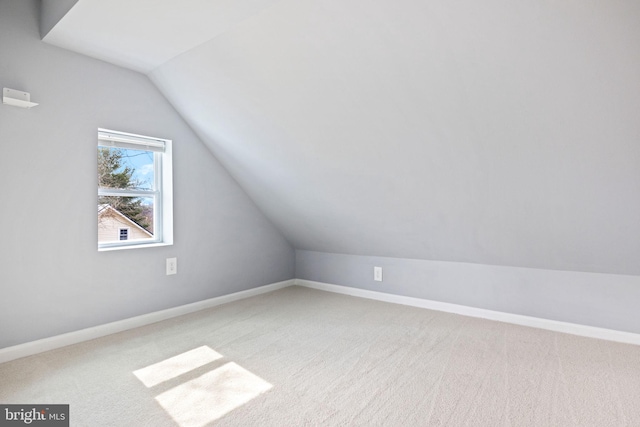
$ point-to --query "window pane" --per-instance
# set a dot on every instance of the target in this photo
(134, 190)
(125, 168)
(133, 215)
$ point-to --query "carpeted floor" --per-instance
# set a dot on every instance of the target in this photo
(301, 357)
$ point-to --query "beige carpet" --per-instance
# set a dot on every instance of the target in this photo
(299, 357)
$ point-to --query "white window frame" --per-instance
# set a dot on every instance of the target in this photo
(162, 193)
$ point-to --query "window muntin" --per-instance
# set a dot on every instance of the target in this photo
(134, 190)
(124, 234)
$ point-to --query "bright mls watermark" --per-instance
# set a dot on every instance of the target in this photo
(34, 415)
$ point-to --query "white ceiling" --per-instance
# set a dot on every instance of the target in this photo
(494, 132)
(144, 34)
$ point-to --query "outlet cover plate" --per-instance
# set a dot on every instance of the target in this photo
(377, 274)
(172, 266)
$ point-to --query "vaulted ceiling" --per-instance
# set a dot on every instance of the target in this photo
(494, 132)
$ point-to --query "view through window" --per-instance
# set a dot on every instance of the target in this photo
(130, 188)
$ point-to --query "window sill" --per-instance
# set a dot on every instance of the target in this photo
(140, 246)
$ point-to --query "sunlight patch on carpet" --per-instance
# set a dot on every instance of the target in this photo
(204, 399)
(175, 366)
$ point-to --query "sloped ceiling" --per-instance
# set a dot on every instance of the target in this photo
(494, 132)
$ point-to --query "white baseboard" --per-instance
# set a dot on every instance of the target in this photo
(46, 344)
(535, 322)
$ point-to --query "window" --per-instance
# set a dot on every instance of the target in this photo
(134, 191)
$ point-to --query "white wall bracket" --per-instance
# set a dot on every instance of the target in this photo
(17, 98)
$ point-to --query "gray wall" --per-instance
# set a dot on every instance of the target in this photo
(52, 278)
(602, 300)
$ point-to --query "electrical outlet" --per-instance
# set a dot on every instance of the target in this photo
(377, 274)
(172, 266)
